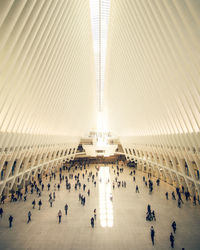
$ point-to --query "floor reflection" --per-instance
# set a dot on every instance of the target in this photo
(105, 198)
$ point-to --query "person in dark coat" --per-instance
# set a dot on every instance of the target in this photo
(171, 238)
(66, 209)
(1, 212)
(40, 204)
(33, 203)
(92, 222)
(174, 226)
(152, 231)
(10, 220)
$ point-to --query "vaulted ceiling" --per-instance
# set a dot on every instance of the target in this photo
(47, 69)
(57, 70)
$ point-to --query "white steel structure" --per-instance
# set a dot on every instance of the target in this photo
(150, 93)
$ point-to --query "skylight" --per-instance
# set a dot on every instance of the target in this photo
(99, 18)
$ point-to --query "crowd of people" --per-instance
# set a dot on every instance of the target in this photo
(76, 177)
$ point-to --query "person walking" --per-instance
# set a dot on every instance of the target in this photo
(174, 226)
(1, 212)
(50, 201)
(92, 222)
(95, 214)
(40, 204)
(152, 232)
(59, 216)
(29, 217)
(3, 197)
(149, 208)
(179, 203)
(153, 215)
(66, 209)
(137, 189)
(10, 220)
(173, 196)
(171, 238)
(194, 200)
(33, 203)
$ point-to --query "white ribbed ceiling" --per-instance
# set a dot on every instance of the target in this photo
(152, 81)
(47, 73)
(47, 67)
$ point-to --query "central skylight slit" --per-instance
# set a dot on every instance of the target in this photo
(99, 18)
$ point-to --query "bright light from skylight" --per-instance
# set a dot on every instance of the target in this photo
(99, 17)
(105, 198)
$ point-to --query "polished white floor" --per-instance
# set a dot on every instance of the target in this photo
(125, 227)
